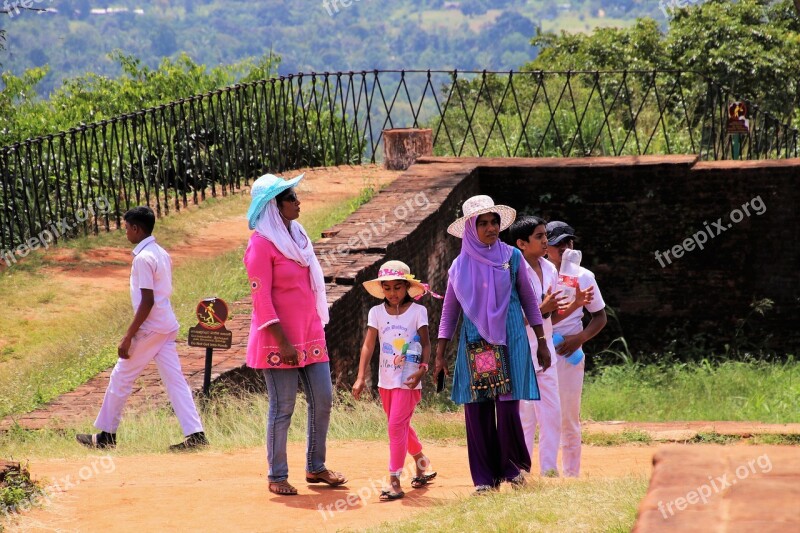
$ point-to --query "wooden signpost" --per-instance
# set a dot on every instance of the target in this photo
(210, 333)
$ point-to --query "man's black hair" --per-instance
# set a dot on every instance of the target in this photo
(143, 217)
(523, 228)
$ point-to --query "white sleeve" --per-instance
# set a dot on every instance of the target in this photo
(143, 272)
(372, 318)
(597, 303)
(422, 316)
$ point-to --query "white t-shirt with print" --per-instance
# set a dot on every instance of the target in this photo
(548, 283)
(573, 324)
(394, 335)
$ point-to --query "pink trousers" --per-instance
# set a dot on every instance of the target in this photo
(399, 405)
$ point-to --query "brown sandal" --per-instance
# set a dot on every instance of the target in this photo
(282, 488)
(329, 477)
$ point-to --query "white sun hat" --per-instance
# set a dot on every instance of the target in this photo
(395, 270)
(479, 205)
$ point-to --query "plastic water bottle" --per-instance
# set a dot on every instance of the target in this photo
(568, 275)
(575, 357)
(413, 358)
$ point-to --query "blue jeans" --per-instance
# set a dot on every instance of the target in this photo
(282, 390)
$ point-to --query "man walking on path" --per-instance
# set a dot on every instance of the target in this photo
(151, 336)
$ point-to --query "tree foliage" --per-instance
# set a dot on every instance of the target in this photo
(749, 46)
(92, 97)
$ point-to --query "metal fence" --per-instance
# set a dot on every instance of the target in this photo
(211, 144)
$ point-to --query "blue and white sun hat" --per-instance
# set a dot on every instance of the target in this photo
(265, 189)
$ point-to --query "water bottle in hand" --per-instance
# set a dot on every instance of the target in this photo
(575, 357)
(568, 275)
(413, 358)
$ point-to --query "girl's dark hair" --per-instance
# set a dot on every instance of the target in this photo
(408, 297)
(523, 227)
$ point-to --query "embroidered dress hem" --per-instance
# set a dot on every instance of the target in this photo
(314, 351)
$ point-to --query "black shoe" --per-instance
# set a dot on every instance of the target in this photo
(194, 440)
(97, 440)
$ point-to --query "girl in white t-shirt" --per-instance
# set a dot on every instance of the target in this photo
(400, 327)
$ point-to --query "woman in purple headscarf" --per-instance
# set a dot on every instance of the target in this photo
(493, 368)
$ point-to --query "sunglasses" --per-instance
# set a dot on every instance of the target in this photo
(291, 197)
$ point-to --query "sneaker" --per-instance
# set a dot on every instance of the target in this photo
(97, 440)
(194, 440)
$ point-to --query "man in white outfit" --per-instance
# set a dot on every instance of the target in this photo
(528, 233)
(561, 236)
(151, 336)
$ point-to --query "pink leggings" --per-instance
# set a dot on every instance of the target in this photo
(399, 405)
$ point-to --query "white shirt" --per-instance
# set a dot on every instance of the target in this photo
(573, 323)
(394, 335)
(152, 269)
(548, 283)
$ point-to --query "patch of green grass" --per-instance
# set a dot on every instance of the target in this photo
(231, 422)
(714, 438)
(731, 390)
(17, 489)
(628, 436)
(776, 439)
(545, 505)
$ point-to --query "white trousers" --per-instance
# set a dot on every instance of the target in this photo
(145, 347)
(547, 414)
(570, 387)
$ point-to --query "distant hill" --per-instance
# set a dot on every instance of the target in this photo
(74, 37)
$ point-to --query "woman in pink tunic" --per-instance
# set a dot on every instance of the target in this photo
(287, 339)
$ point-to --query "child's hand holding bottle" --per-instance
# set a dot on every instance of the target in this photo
(414, 379)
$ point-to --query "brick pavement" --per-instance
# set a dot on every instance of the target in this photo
(710, 489)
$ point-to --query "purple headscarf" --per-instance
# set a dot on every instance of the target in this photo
(481, 279)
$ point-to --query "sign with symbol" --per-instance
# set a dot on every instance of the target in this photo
(210, 330)
(737, 119)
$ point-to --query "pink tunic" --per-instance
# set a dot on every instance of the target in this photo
(282, 293)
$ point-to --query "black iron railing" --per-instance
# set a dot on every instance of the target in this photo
(173, 154)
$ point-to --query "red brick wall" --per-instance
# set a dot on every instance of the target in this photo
(624, 209)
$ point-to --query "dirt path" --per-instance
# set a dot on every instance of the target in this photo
(215, 491)
(106, 268)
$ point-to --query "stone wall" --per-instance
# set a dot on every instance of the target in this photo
(624, 210)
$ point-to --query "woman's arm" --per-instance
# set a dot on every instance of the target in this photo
(258, 260)
(527, 297)
(451, 309)
(363, 365)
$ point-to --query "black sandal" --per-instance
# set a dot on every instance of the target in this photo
(421, 481)
(389, 495)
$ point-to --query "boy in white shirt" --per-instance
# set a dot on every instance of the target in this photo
(561, 236)
(528, 233)
(151, 336)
